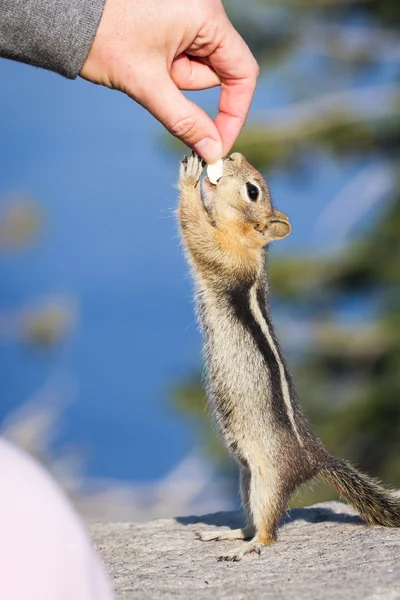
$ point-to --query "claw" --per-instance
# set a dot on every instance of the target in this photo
(239, 553)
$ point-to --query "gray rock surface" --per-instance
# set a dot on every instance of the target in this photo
(324, 552)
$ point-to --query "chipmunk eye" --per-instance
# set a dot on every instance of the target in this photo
(252, 191)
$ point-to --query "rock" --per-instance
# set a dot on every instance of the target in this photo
(324, 551)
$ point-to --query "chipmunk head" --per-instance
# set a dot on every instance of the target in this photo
(240, 201)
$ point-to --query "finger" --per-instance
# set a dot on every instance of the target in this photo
(183, 118)
(233, 108)
(192, 74)
(238, 70)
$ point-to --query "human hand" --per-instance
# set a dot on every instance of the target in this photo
(152, 49)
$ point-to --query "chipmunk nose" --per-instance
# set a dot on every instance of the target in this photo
(236, 157)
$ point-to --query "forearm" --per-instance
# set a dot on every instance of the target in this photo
(52, 34)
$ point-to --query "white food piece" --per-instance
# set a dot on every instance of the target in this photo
(215, 171)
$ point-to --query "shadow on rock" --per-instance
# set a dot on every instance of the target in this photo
(229, 519)
(317, 514)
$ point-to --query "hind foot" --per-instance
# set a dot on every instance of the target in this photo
(225, 534)
(255, 546)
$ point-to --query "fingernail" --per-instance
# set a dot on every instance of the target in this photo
(209, 149)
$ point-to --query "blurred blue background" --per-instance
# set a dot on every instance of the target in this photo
(100, 172)
(93, 162)
(98, 168)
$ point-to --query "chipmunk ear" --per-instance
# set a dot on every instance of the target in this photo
(278, 226)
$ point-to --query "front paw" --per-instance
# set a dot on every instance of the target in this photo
(190, 171)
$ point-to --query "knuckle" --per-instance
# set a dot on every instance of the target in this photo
(185, 129)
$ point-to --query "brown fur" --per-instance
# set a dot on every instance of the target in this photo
(249, 386)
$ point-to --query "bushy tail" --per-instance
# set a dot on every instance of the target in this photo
(375, 504)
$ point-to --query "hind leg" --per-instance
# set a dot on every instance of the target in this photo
(245, 483)
(267, 503)
(235, 534)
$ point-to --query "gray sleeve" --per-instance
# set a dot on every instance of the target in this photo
(52, 34)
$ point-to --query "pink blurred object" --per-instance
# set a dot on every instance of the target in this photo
(44, 550)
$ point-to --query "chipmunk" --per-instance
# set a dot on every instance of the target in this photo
(226, 228)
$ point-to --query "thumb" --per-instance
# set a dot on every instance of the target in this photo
(183, 118)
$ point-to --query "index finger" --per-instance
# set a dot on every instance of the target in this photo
(238, 70)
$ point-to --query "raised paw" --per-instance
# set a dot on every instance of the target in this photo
(238, 553)
(224, 534)
(191, 169)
